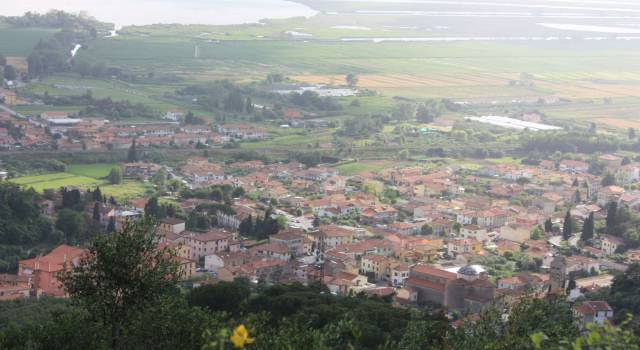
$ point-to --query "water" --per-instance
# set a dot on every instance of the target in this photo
(144, 12)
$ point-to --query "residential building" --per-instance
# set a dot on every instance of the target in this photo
(43, 270)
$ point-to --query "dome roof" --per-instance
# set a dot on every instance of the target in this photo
(468, 271)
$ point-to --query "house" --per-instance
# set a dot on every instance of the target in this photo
(474, 232)
(610, 244)
(141, 170)
(291, 239)
(8, 97)
(241, 132)
(573, 166)
(524, 282)
(272, 250)
(609, 194)
(212, 242)
(611, 161)
(171, 226)
(334, 235)
(462, 246)
(377, 267)
(216, 261)
(578, 263)
(342, 283)
(628, 174)
(268, 270)
(598, 312)
(399, 274)
(175, 115)
(43, 270)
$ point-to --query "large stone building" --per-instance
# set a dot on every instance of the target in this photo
(468, 290)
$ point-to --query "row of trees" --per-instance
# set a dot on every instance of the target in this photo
(260, 228)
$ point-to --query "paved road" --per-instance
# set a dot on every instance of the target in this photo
(9, 110)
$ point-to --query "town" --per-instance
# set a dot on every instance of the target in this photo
(338, 175)
(451, 237)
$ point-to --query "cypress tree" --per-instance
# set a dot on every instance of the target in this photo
(567, 228)
(132, 156)
(588, 228)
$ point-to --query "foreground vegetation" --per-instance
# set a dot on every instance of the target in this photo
(276, 317)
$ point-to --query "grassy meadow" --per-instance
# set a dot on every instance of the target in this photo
(85, 176)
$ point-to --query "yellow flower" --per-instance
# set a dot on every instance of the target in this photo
(240, 337)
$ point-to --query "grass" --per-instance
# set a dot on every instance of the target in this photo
(91, 170)
(362, 166)
(20, 41)
(56, 181)
(126, 190)
(86, 176)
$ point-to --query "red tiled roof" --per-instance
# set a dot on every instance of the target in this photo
(428, 270)
(412, 281)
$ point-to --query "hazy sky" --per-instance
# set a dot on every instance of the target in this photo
(123, 12)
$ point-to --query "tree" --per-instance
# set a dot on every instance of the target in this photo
(430, 110)
(160, 178)
(578, 197)
(97, 195)
(632, 134)
(404, 111)
(115, 176)
(111, 226)
(352, 79)
(537, 233)
(132, 155)
(246, 226)
(152, 207)
(72, 224)
(96, 211)
(567, 228)
(122, 276)
(426, 230)
(612, 214)
(588, 228)
(608, 179)
(316, 221)
(548, 225)
(10, 73)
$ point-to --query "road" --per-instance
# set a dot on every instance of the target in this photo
(296, 221)
(11, 111)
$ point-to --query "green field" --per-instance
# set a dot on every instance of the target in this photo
(20, 41)
(91, 170)
(363, 166)
(83, 177)
(56, 180)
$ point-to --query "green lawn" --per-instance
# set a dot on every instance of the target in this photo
(127, 190)
(56, 181)
(362, 166)
(86, 176)
(91, 170)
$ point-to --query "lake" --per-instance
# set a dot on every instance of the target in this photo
(144, 12)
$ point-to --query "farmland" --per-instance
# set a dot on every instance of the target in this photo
(502, 75)
(83, 177)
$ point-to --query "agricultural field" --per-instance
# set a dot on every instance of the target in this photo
(85, 176)
(358, 167)
(19, 42)
(56, 180)
(476, 71)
